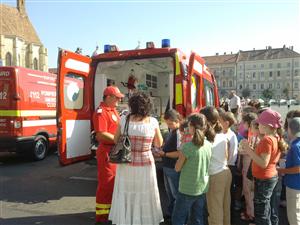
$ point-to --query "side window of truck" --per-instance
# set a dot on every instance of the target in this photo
(73, 91)
(209, 93)
(195, 91)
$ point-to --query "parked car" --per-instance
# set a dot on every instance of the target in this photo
(272, 102)
(292, 102)
(282, 102)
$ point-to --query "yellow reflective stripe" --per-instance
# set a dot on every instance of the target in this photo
(27, 112)
(103, 206)
(177, 65)
(10, 113)
(178, 94)
(102, 211)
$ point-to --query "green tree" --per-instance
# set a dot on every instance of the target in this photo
(246, 92)
(267, 93)
(285, 91)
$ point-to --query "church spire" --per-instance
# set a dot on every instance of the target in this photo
(21, 6)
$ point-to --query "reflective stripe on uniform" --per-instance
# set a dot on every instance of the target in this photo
(19, 113)
(102, 211)
(103, 206)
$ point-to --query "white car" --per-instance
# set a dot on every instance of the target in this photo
(282, 102)
(292, 102)
(272, 102)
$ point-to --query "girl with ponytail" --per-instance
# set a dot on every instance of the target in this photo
(218, 195)
(193, 162)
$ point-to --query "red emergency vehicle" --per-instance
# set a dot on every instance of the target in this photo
(27, 111)
(173, 79)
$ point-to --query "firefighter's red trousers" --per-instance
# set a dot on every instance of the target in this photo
(106, 179)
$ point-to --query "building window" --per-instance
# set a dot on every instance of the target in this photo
(278, 85)
(151, 81)
(224, 83)
(278, 73)
(35, 64)
(223, 72)
(270, 86)
(296, 72)
(231, 72)
(288, 73)
(254, 66)
(19, 60)
(253, 75)
(288, 64)
(230, 83)
(262, 74)
(278, 65)
(8, 59)
(297, 64)
(270, 65)
(262, 86)
(296, 85)
(271, 74)
(241, 86)
(254, 86)
(262, 66)
(247, 85)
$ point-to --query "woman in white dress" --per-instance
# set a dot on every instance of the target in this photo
(136, 197)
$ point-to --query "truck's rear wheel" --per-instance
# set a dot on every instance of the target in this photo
(40, 148)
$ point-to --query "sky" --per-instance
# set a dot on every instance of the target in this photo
(204, 26)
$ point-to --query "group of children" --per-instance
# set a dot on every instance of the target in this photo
(202, 159)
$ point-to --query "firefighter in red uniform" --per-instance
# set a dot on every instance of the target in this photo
(106, 119)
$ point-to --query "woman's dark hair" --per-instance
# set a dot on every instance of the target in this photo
(173, 115)
(249, 117)
(140, 104)
(198, 121)
(183, 125)
(212, 116)
(229, 117)
(255, 103)
(290, 115)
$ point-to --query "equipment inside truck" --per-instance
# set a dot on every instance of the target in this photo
(155, 76)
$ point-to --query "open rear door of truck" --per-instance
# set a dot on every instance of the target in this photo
(195, 84)
(73, 107)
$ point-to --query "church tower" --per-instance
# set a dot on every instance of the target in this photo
(21, 6)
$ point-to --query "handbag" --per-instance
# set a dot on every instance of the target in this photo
(121, 152)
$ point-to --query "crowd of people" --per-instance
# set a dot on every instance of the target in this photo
(210, 160)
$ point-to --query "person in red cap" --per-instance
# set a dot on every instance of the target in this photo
(105, 120)
(265, 158)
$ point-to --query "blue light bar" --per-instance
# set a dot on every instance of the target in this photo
(165, 43)
(106, 48)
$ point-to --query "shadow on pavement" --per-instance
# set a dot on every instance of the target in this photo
(87, 218)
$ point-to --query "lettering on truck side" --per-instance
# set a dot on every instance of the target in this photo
(4, 73)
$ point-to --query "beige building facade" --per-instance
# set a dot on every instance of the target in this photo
(257, 70)
(19, 42)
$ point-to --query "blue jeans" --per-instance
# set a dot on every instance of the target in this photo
(171, 180)
(191, 206)
(263, 209)
(275, 202)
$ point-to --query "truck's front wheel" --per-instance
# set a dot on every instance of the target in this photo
(40, 148)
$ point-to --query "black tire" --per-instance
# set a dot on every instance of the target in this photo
(40, 148)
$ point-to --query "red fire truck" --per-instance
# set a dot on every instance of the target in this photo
(170, 77)
(27, 111)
